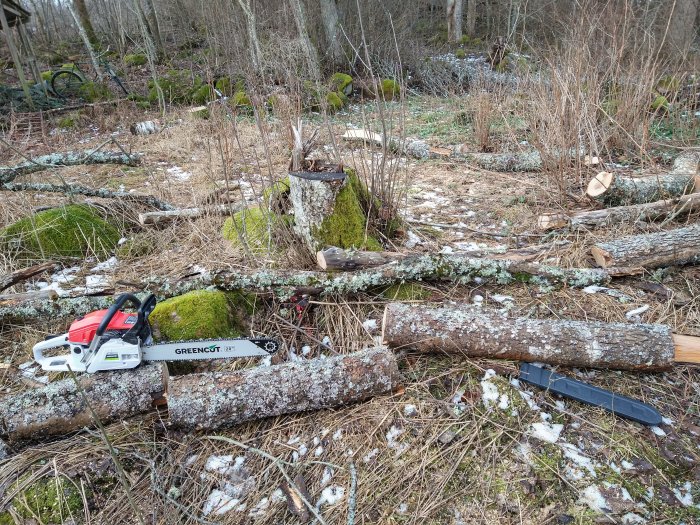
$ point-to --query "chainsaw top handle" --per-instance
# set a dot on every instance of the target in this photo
(121, 301)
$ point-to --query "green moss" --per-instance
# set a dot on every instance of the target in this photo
(346, 226)
(140, 245)
(202, 95)
(660, 103)
(48, 500)
(201, 113)
(668, 84)
(224, 85)
(389, 89)
(341, 83)
(46, 75)
(334, 102)
(66, 122)
(406, 292)
(69, 231)
(94, 91)
(137, 59)
(240, 100)
(196, 315)
(460, 53)
(250, 226)
(178, 87)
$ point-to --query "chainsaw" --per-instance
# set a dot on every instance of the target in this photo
(113, 339)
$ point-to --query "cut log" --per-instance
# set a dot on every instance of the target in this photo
(505, 162)
(338, 259)
(652, 250)
(160, 218)
(613, 189)
(69, 158)
(25, 273)
(147, 127)
(636, 212)
(222, 399)
(479, 332)
(59, 408)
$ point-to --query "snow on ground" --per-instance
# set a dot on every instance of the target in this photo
(331, 495)
(547, 432)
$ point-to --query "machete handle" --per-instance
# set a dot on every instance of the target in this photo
(121, 301)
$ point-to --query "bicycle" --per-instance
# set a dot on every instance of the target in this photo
(66, 82)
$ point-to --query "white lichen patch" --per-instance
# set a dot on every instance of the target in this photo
(370, 455)
(410, 410)
(219, 503)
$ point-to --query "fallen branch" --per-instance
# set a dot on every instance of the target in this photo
(158, 218)
(23, 274)
(69, 158)
(505, 162)
(222, 399)
(77, 189)
(479, 332)
(652, 250)
(636, 212)
(58, 408)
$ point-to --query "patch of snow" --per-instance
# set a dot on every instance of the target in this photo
(546, 432)
(391, 439)
(409, 410)
(684, 495)
(278, 496)
(331, 495)
(26, 364)
(121, 241)
(446, 249)
(370, 455)
(96, 282)
(561, 406)
(402, 509)
(632, 519)
(105, 266)
(303, 449)
(327, 476)
(327, 341)
(658, 431)
(265, 361)
(574, 454)
(527, 396)
(544, 416)
(318, 451)
(178, 173)
(478, 299)
(627, 465)
(219, 503)
(667, 421)
(224, 465)
(502, 298)
(370, 325)
(413, 240)
(338, 434)
(592, 497)
(260, 508)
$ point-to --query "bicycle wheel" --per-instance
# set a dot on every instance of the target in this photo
(66, 84)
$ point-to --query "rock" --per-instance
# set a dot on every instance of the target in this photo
(342, 83)
(68, 231)
(447, 437)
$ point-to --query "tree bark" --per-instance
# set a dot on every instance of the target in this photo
(23, 274)
(77, 189)
(478, 332)
(345, 260)
(454, 20)
(621, 214)
(652, 250)
(614, 190)
(309, 49)
(151, 17)
(253, 42)
(84, 21)
(59, 407)
(329, 18)
(223, 399)
(471, 17)
(159, 218)
(69, 158)
(681, 26)
(89, 45)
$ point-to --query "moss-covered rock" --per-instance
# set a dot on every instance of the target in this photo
(198, 315)
(241, 101)
(660, 103)
(250, 226)
(178, 86)
(389, 89)
(334, 102)
(406, 292)
(137, 59)
(50, 501)
(46, 76)
(342, 83)
(460, 53)
(69, 231)
(346, 227)
(94, 92)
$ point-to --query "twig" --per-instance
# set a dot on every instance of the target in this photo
(353, 494)
(279, 464)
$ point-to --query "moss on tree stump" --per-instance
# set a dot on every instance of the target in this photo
(69, 231)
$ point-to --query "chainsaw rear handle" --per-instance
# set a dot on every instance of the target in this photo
(121, 301)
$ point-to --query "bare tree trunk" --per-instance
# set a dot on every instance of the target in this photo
(479, 332)
(86, 38)
(309, 49)
(453, 9)
(681, 26)
(9, 38)
(253, 42)
(222, 399)
(329, 18)
(471, 17)
(154, 28)
(83, 21)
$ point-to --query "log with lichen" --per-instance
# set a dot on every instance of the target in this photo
(60, 407)
(621, 214)
(222, 399)
(69, 158)
(454, 268)
(478, 332)
(614, 189)
(530, 161)
(652, 250)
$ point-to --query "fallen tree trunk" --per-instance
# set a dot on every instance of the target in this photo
(45, 304)
(613, 189)
(636, 212)
(159, 218)
(59, 408)
(505, 162)
(77, 189)
(25, 273)
(284, 283)
(479, 332)
(222, 399)
(69, 158)
(652, 250)
(339, 259)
